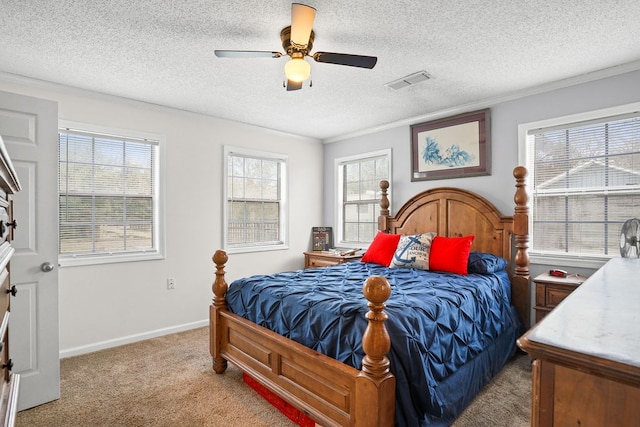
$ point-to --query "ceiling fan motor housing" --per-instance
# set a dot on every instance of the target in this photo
(289, 47)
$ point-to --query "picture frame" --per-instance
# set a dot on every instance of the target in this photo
(322, 238)
(452, 147)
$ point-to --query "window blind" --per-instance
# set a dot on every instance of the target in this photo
(107, 194)
(361, 197)
(586, 183)
(254, 200)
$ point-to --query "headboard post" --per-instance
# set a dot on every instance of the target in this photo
(383, 219)
(218, 305)
(521, 237)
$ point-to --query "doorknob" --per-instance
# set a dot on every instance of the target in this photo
(46, 267)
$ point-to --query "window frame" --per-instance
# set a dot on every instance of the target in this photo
(158, 252)
(524, 130)
(284, 199)
(339, 164)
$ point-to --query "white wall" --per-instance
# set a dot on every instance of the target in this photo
(505, 117)
(111, 304)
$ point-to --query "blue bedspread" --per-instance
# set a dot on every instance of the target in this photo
(450, 334)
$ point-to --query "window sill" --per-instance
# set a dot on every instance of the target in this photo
(556, 260)
(65, 261)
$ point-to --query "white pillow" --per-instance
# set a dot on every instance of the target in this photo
(413, 251)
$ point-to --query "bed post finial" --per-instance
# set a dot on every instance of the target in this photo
(375, 383)
(521, 237)
(219, 286)
(219, 304)
(383, 224)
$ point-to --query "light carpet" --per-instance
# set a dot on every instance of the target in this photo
(169, 381)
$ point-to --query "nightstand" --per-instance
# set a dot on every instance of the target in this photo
(550, 290)
(326, 258)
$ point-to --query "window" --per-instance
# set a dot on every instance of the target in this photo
(358, 179)
(108, 197)
(255, 212)
(584, 184)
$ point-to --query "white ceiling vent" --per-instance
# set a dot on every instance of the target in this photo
(409, 80)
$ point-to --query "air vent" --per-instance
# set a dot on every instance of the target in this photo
(410, 80)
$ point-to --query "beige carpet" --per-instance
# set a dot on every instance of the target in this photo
(168, 381)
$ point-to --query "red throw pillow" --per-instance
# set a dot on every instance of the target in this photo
(382, 248)
(450, 254)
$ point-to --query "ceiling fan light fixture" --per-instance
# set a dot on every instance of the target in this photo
(297, 69)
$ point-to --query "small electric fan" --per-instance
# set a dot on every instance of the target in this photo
(630, 239)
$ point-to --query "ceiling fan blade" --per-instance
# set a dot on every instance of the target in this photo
(346, 59)
(246, 54)
(302, 17)
(291, 85)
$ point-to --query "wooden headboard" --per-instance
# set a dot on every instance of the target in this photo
(454, 212)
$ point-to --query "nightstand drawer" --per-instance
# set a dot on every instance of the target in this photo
(326, 259)
(555, 295)
(551, 291)
(320, 262)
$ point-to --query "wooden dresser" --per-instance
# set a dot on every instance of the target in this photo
(586, 369)
(8, 185)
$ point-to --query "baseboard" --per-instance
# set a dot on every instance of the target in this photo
(76, 351)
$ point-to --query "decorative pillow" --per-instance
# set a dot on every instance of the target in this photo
(413, 251)
(484, 263)
(450, 254)
(381, 249)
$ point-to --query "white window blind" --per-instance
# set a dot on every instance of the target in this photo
(108, 195)
(360, 195)
(255, 200)
(586, 183)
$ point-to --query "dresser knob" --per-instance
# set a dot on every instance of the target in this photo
(13, 224)
(8, 365)
(13, 290)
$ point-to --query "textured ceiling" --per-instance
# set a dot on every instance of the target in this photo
(161, 52)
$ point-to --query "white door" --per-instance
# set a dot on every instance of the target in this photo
(29, 128)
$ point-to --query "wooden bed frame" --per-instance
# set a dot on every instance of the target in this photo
(333, 393)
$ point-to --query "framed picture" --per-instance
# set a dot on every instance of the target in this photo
(453, 147)
(322, 238)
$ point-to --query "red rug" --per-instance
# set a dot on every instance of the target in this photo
(289, 411)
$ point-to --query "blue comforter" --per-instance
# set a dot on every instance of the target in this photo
(450, 334)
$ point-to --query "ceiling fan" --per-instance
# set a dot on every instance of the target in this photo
(297, 41)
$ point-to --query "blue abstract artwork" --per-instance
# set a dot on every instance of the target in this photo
(450, 147)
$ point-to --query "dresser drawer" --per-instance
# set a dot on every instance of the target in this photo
(9, 399)
(4, 353)
(4, 220)
(4, 290)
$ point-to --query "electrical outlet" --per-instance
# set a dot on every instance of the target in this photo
(171, 283)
